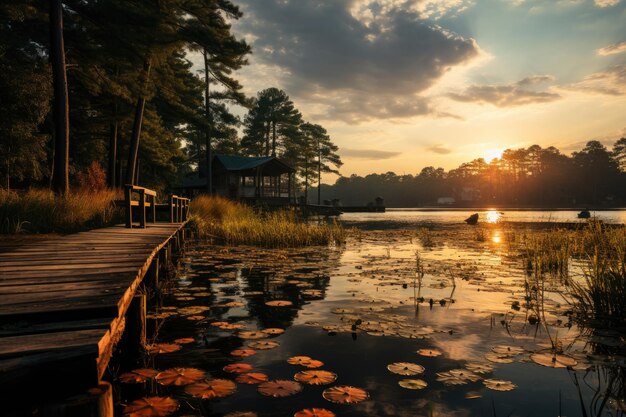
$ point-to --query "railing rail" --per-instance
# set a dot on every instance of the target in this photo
(147, 198)
(179, 209)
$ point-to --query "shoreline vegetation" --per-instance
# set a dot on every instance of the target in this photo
(231, 223)
(41, 211)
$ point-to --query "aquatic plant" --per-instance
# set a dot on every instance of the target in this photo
(232, 223)
(41, 211)
(598, 298)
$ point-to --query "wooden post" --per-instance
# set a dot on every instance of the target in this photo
(142, 209)
(153, 209)
(134, 338)
(171, 209)
(129, 207)
(152, 276)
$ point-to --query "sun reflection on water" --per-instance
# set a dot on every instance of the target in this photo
(496, 237)
(493, 216)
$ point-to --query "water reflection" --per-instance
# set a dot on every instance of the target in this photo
(492, 216)
(364, 306)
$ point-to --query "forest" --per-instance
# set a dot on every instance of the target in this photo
(527, 177)
(133, 92)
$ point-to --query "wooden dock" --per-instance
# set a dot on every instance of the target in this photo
(64, 303)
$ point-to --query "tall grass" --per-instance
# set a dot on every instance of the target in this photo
(233, 223)
(41, 211)
(600, 295)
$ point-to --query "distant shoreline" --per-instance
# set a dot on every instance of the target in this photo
(456, 208)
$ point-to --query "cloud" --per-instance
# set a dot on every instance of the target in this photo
(439, 149)
(368, 153)
(356, 60)
(611, 81)
(613, 49)
(508, 95)
(606, 3)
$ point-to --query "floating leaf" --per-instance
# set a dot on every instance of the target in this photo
(151, 407)
(473, 395)
(314, 412)
(507, 350)
(273, 330)
(251, 335)
(496, 358)
(162, 348)
(553, 360)
(499, 385)
(479, 368)
(344, 394)
(413, 383)
(137, 376)
(405, 368)
(238, 368)
(242, 414)
(279, 388)
(305, 361)
(316, 377)
(431, 353)
(264, 344)
(195, 318)
(457, 377)
(184, 340)
(180, 376)
(278, 303)
(251, 378)
(243, 352)
(212, 388)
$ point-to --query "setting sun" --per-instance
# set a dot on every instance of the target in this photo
(491, 154)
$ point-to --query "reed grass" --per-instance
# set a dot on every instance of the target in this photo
(232, 223)
(41, 211)
(599, 296)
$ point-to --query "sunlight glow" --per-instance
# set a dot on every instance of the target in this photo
(496, 237)
(491, 154)
(492, 216)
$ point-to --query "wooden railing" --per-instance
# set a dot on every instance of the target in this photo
(145, 195)
(179, 208)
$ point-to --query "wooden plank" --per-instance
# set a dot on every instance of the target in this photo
(21, 345)
(24, 328)
(65, 266)
(68, 273)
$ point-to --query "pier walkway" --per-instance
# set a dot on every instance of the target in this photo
(63, 302)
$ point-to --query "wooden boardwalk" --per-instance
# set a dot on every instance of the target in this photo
(63, 301)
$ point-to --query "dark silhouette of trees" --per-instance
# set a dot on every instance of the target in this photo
(526, 177)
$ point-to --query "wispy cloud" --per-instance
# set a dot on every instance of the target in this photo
(606, 3)
(439, 149)
(368, 153)
(508, 95)
(615, 48)
(611, 81)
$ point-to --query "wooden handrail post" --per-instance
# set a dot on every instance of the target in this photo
(142, 209)
(153, 209)
(129, 207)
(171, 209)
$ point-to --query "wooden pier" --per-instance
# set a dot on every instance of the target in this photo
(65, 305)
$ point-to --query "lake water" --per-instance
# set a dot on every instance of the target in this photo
(359, 309)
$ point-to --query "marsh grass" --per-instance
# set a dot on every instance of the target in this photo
(40, 211)
(599, 296)
(232, 223)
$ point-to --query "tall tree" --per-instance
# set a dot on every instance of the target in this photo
(60, 106)
(619, 153)
(273, 115)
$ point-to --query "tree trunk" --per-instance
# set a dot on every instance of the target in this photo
(306, 182)
(207, 138)
(133, 152)
(273, 138)
(60, 106)
(267, 139)
(319, 176)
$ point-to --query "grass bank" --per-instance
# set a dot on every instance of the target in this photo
(41, 211)
(232, 223)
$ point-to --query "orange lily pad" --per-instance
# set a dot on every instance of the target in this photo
(345, 394)
(212, 388)
(151, 407)
(251, 378)
(314, 412)
(243, 352)
(180, 376)
(237, 368)
(317, 377)
(279, 388)
(137, 376)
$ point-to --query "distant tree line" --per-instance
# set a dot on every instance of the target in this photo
(111, 81)
(533, 176)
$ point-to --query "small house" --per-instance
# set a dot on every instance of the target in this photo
(262, 179)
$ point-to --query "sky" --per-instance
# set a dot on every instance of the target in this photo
(403, 84)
